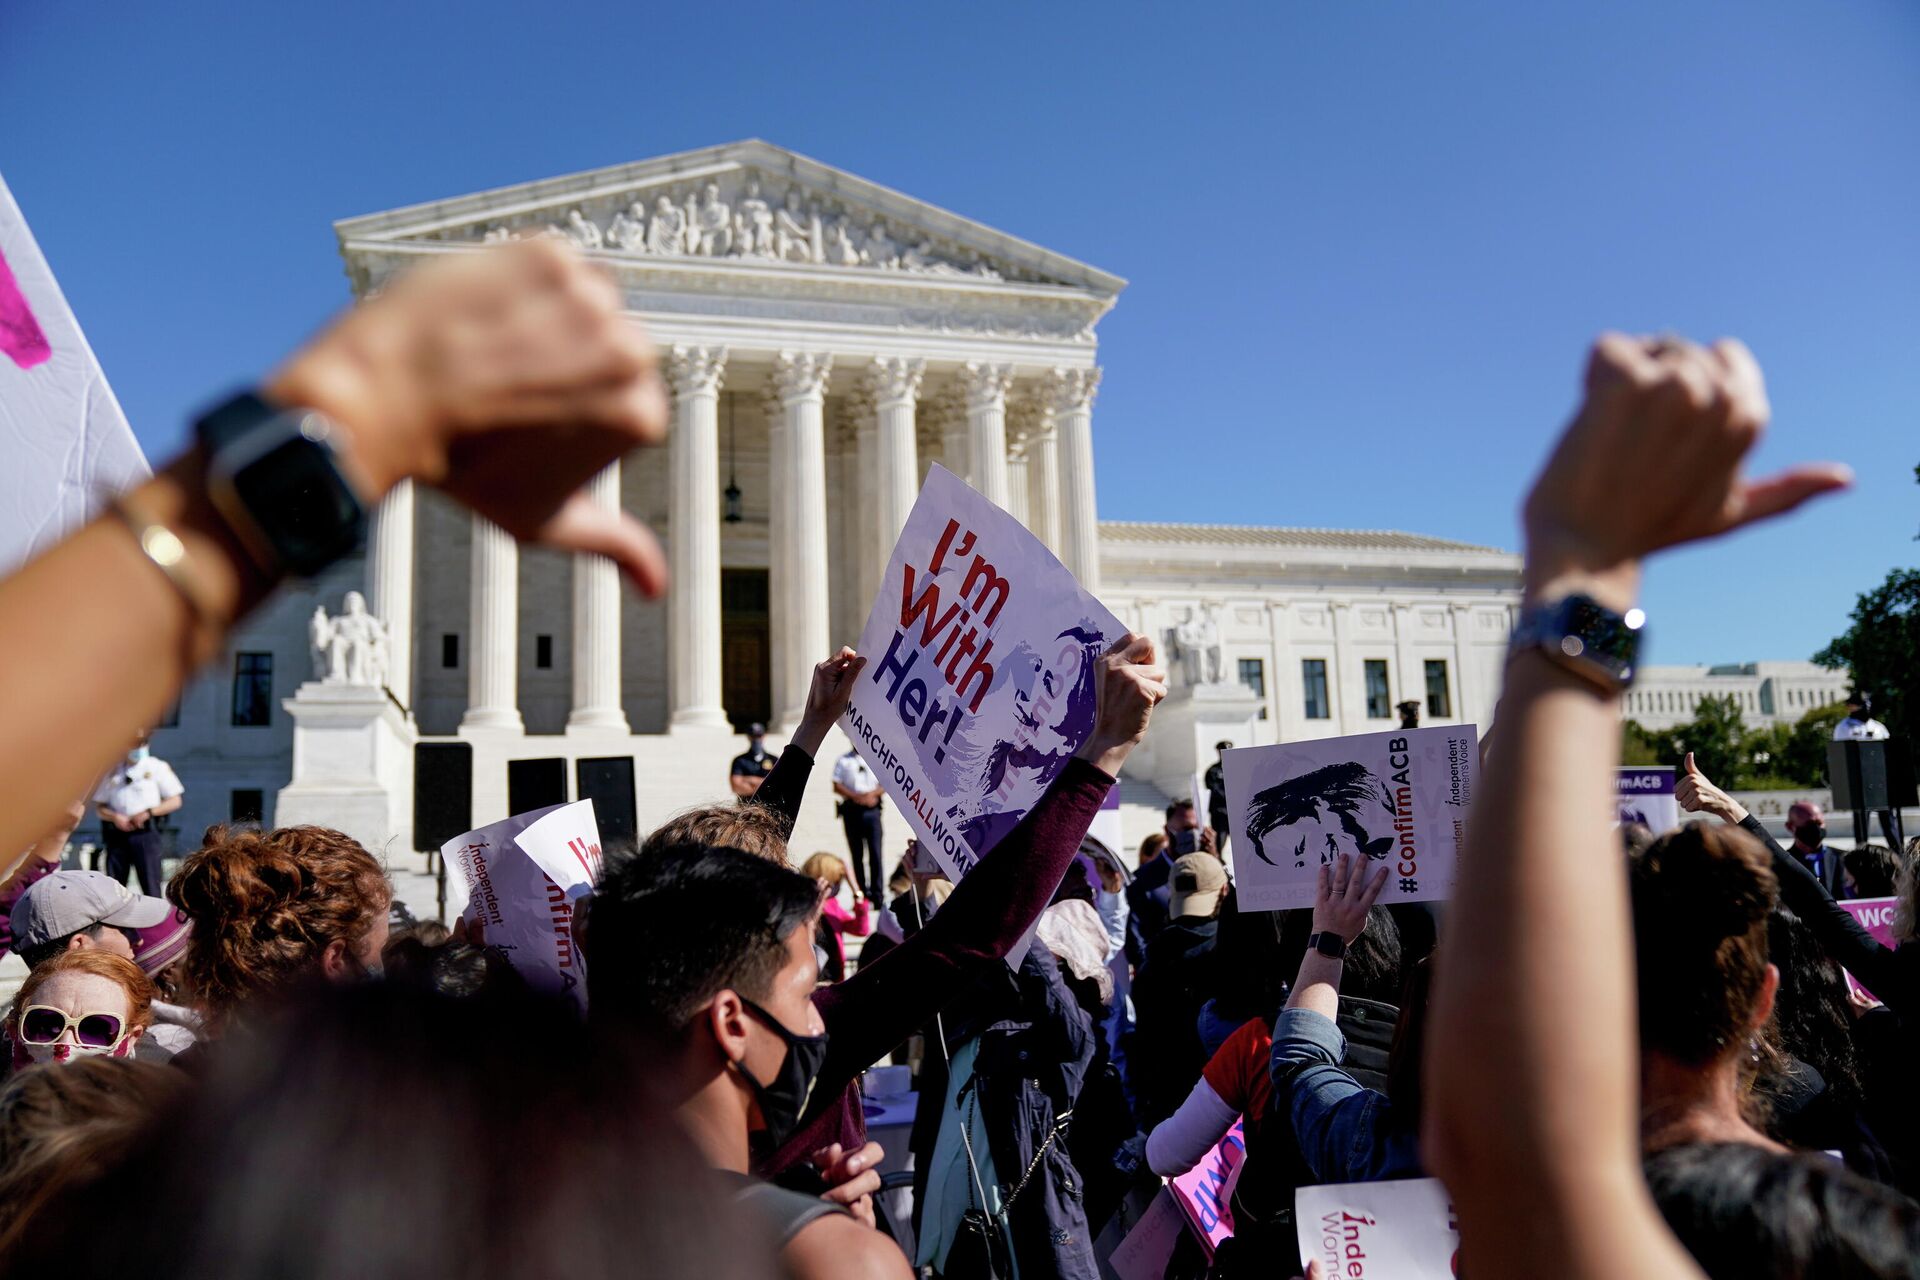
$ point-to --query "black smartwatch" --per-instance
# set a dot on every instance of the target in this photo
(1330, 945)
(1586, 637)
(275, 478)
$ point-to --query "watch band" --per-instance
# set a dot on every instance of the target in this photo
(1329, 944)
(1585, 637)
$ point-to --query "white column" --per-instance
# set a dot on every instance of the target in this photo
(895, 387)
(868, 556)
(1413, 676)
(1466, 682)
(390, 585)
(596, 628)
(1043, 480)
(779, 536)
(493, 665)
(694, 601)
(1072, 394)
(949, 409)
(986, 390)
(801, 380)
(1017, 491)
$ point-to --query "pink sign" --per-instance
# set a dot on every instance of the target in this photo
(1205, 1192)
(1876, 917)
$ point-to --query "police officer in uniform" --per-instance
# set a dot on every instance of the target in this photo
(751, 767)
(139, 790)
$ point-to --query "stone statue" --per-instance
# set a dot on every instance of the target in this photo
(667, 233)
(755, 223)
(880, 250)
(350, 648)
(712, 224)
(1209, 642)
(840, 249)
(796, 231)
(628, 230)
(497, 235)
(581, 232)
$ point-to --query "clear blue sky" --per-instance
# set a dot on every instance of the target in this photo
(1368, 242)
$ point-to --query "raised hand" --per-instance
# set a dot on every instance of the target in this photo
(1652, 460)
(827, 698)
(1128, 684)
(508, 379)
(1696, 793)
(1344, 895)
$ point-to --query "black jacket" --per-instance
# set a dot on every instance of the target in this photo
(1165, 1056)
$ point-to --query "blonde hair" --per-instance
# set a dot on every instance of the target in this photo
(825, 866)
(101, 964)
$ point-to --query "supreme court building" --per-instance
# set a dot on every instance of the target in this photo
(825, 341)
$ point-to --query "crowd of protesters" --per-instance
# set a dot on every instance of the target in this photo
(1637, 1060)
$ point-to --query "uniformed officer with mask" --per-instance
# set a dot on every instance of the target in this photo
(139, 790)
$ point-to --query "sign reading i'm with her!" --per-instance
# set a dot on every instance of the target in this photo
(979, 683)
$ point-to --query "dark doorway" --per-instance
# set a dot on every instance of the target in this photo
(535, 784)
(746, 649)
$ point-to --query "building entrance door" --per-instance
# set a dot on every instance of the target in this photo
(746, 649)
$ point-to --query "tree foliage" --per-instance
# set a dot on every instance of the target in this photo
(1776, 757)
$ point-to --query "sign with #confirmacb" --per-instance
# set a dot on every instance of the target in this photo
(979, 683)
(1399, 799)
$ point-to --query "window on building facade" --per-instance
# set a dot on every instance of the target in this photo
(247, 804)
(1439, 701)
(252, 689)
(543, 652)
(450, 651)
(1313, 680)
(1253, 674)
(1379, 696)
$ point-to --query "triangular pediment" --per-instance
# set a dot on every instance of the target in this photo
(745, 203)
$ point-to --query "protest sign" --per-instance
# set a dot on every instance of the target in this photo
(1398, 798)
(979, 684)
(1205, 1192)
(1404, 1230)
(1143, 1255)
(1645, 796)
(523, 874)
(1876, 917)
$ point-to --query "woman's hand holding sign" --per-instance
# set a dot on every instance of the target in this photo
(827, 699)
(1128, 684)
(1346, 893)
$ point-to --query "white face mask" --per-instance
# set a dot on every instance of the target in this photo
(36, 1054)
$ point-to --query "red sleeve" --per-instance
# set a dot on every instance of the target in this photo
(1237, 1065)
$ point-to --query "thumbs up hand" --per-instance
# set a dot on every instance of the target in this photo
(1696, 793)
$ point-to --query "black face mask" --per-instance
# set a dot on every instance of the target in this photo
(783, 1100)
(1812, 834)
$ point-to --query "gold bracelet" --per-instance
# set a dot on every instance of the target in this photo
(161, 545)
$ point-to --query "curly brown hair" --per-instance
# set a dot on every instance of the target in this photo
(265, 904)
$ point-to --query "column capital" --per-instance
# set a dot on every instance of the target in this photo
(801, 375)
(985, 385)
(694, 371)
(1071, 389)
(895, 380)
(1029, 414)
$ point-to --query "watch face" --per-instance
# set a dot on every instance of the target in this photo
(1601, 636)
(302, 504)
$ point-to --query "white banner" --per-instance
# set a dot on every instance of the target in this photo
(979, 684)
(67, 445)
(1399, 798)
(1646, 796)
(1401, 1230)
(523, 874)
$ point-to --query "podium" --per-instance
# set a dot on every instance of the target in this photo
(1872, 777)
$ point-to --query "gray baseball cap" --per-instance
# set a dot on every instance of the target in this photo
(67, 902)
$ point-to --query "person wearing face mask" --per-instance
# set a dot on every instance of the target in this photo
(129, 800)
(275, 910)
(1809, 827)
(703, 954)
(79, 1003)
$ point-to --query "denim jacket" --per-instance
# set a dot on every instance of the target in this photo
(1345, 1131)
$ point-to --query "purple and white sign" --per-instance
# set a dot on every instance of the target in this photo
(979, 683)
(1646, 796)
(1397, 799)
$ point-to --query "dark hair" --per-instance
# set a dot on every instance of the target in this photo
(266, 904)
(452, 968)
(1746, 1213)
(487, 1129)
(1371, 970)
(1873, 868)
(1177, 807)
(60, 1124)
(673, 926)
(1701, 896)
(1406, 1057)
(1252, 974)
(1810, 1018)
